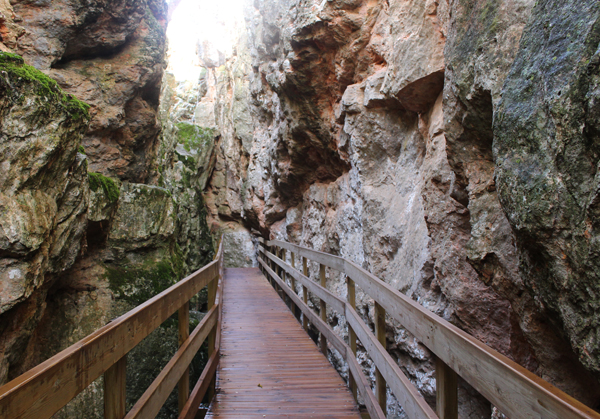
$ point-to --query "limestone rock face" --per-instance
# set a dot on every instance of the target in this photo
(186, 158)
(72, 215)
(109, 54)
(546, 131)
(375, 134)
(44, 195)
(145, 218)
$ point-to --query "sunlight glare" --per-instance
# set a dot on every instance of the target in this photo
(206, 25)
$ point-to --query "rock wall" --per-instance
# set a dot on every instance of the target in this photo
(109, 54)
(546, 130)
(43, 196)
(389, 132)
(95, 218)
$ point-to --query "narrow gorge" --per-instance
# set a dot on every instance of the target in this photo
(449, 147)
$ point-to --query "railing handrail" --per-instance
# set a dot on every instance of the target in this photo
(513, 389)
(42, 391)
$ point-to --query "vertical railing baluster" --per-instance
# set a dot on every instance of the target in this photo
(380, 333)
(293, 280)
(323, 309)
(278, 273)
(351, 333)
(212, 337)
(447, 391)
(114, 390)
(183, 387)
(282, 274)
(305, 292)
(270, 262)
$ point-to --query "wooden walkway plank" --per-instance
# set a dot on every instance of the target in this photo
(269, 366)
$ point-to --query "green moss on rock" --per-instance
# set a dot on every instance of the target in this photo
(193, 136)
(109, 186)
(14, 66)
(136, 285)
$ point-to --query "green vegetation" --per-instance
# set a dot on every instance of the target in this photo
(136, 285)
(109, 186)
(14, 66)
(81, 149)
(193, 136)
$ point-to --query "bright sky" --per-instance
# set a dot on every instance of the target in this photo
(211, 23)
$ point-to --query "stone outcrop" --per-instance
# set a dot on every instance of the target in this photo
(546, 130)
(109, 54)
(83, 239)
(43, 196)
(186, 158)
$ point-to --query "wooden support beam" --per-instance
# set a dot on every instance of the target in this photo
(305, 292)
(183, 387)
(380, 334)
(277, 270)
(323, 309)
(114, 390)
(352, 333)
(446, 396)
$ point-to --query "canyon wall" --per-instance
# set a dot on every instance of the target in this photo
(394, 133)
(89, 228)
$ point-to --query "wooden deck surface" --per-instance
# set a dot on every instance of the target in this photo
(269, 366)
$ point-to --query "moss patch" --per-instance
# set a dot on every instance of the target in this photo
(137, 285)
(193, 136)
(14, 66)
(110, 187)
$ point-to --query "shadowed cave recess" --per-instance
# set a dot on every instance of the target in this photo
(450, 147)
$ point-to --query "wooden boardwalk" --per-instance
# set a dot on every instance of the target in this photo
(269, 366)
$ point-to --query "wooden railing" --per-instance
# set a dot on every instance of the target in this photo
(515, 391)
(45, 389)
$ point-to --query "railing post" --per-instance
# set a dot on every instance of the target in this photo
(323, 309)
(380, 333)
(351, 333)
(293, 280)
(446, 395)
(305, 292)
(114, 390)
(282, 272)
(269, 261)
(212, 337)
(183, 388)
(278, 271)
